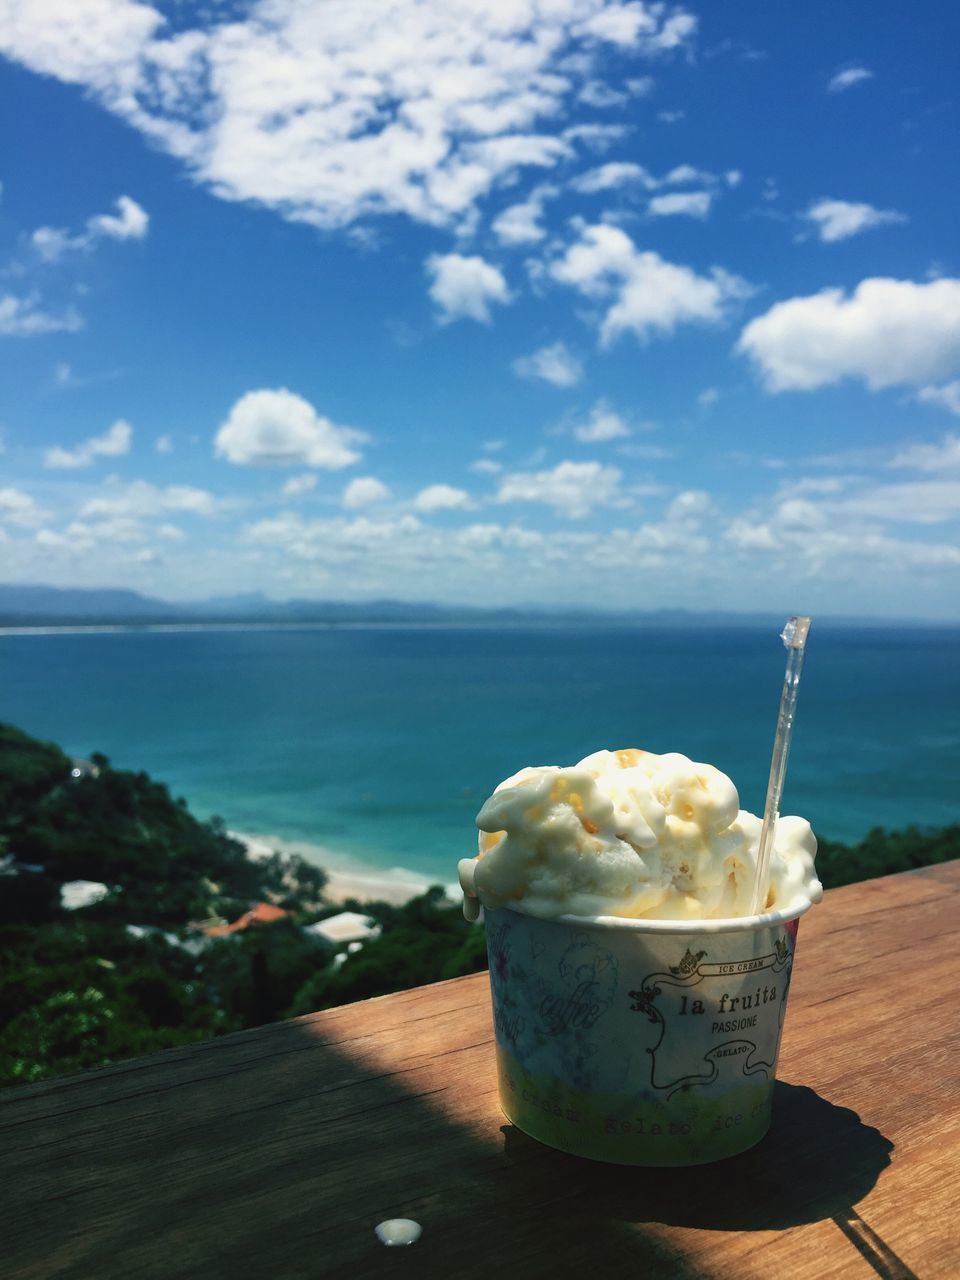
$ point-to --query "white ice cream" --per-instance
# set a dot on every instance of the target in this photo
(630, 833)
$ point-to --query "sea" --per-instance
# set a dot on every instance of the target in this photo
(370, 748)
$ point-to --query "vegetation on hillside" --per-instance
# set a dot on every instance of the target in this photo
(82, 988)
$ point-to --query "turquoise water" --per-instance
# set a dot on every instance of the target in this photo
(380, 744)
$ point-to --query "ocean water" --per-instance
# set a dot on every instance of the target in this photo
(376, 746)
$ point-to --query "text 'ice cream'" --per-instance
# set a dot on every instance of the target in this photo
(632, 834)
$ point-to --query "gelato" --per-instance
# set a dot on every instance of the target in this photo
(630, 834)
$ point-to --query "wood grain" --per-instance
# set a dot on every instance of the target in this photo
(275, 1152)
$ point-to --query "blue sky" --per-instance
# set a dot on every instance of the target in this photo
(568, 302)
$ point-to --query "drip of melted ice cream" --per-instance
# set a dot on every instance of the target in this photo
(633, 834)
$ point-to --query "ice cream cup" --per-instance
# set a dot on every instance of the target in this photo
(642, 1042)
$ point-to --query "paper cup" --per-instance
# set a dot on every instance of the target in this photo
(645, 1042)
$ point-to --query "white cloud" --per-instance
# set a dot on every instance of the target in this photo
(639, 25)
(465, 287)
(597, 94)
(919, 502)
(297, 486)
(327, 113)
(25, 318)
(141, 500)
(277, 428)
(733, 177)
(486, 467)
(847, 79)
(941, 457)
(597, 137)
(708, 397)
(840, 219)
(573, 489)
(647, 294)
(520, 223)
(833, 540)
(641, 86)
(603, 424)
(692, 204)
(130, 222)
(442, 497)
(690, 506)
(555, 364)
(947, 396)
(671, 117)
(163, 444)
(20, 508)
(617, 173)
(887, 332)
(682, 175)
(114, 442)
(364, 491)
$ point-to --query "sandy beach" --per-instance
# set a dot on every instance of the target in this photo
(347, 878)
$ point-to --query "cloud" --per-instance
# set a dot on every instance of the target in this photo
(833, 541)
(163, 444)
(364, 491)
(114, 442)
(617, 173)
(684, 174)
(277, 428)
(947, 396)
(573, 489)
(692, 204)
(647, 294)
(297, 486)
(919, 502)
(330, 113)
(486, 467)
(597, 94)
(941, 457)
(25, 318)
(671, 117)
(708, 397)
(887, 332)
(690, 507)
(140, 500)
(520, 223)
(129, 223)
(441, 497)
(555, 364)
(20, 508)
(603, 424)
(597, 137)
(847, 79)
(840, 219)
(465, 287)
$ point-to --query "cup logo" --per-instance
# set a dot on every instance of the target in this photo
(745, 996)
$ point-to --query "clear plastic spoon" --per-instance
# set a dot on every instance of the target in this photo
(794, 637)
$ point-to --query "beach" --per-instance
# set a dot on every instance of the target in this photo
(347, 878)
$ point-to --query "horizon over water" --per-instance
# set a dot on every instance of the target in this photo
(375, 746)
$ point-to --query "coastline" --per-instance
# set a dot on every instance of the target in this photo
(348, 877)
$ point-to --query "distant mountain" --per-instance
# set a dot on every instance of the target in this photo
(35, 605)
(39, 602)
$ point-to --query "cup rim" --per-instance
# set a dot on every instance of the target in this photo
(729, 924)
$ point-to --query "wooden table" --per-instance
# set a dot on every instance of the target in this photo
(274, 1153)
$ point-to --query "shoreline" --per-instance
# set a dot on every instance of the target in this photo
(348, 877)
